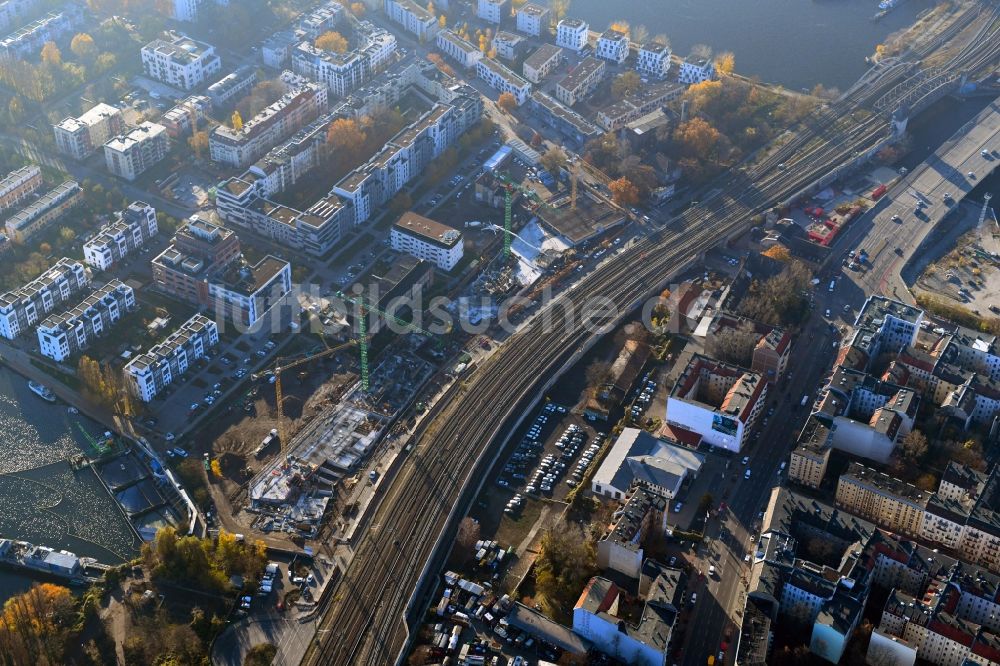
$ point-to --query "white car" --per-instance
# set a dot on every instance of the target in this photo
(746, 474)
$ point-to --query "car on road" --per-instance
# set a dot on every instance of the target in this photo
(746, 460)
(746, 474)
(678, 507)
(827, 313)
(984, 153)
(711, 570)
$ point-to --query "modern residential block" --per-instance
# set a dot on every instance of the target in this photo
(581, 81)
(27, 42)
(456, 48)
(23, 308)
(427, 239)
(197, 251)
(503, 79)
(493, 11)
(184, 118)
(79, 137)
(696, 70)
(233, 85)
(542, 62)
(345, 72)
(413, 17)
(572, 34)
(612, 45)
(509, 45)
(654, 60)
(179, 61)
(135, 225)
(244, 293)
(61, 336)
(148, 374)
(129, 155)
(533, 19)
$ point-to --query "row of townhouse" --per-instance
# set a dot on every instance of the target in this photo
(45, 210)
(63, 335)
(241, 147)
(501, 78)
(149, 373)
(962, 515)
(26, 43)
(18, 185)
(413, 17)
(22, 309)
(81, 136)
(179, 61)
(131, 230)
(345, 72)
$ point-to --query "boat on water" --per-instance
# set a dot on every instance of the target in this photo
(888, 4)
(42, 391)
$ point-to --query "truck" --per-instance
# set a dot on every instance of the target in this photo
(805, 400)
(266, 443)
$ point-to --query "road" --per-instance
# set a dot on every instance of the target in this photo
(367, 624)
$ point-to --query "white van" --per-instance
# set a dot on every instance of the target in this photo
(833, 285)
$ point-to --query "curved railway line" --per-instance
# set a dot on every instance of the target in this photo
(364, 621)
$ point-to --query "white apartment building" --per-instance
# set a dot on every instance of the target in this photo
(246, 293)
(572, 34)
(179, 61)
(186, 116)
(428, 240)
(18, 185)
(458, 49)
(26, 42)
(581, 81)
(135, 225)
(542, 62)
(493, 11)
(23, 308)
(532, 19)
(344, 72)
(413, 17)
(149, 373)
(129, 155)
(654, 60)
(79, 137)
(503, 79)
(276, 50)
(508, 45)
(242, 147)
(613, 46)
(320, 20)
(187, 10)
(696, 70)
(15, 12)
(61, 336)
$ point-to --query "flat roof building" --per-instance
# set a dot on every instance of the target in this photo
(131, 154)
(79, 137)
(581, 81)
(428, 240)
(639, 458)
(47, 209)
(179, 61)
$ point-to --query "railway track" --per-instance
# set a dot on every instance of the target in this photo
(364, 622)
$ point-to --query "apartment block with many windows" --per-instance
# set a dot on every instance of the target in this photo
(532, 19)
(235, 84)
(581, 81)
(572, 34)
(503, 79)
(427, 239)
(462, 51)
(653, 60)
(198, 250)
(244, 293)
(345, 72)
(493, 11)
(541, 63)
(413, 17)
(135, 225)
(612, 45)
(179, 61)
(131, 154)
(811, 455)
(63, 335)
(21, 309)
(79, 137)
(149, 373)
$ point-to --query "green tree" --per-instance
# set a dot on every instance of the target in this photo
(625, 84)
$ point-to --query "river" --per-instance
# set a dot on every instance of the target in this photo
(42, 500)
(797, 43)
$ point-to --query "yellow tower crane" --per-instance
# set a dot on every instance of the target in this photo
(287, 364)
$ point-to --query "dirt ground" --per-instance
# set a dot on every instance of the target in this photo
(968, 275)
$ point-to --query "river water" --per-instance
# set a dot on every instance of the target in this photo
(42, 500)
(797, 43)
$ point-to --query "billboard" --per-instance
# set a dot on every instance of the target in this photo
(725, 424)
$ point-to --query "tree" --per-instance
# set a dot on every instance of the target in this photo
(216, 468)
(442, 21)
(51, 55)
(926, 482)
(623, 192)
(566, 560)
(913, 446)
(45, 248)
(66, 235)
(625, 84)
(35, 626)
(261, 654)
(559, 9)
(15, 109)
(198, 142)
(507, 102)
(83, 46)
(778, 253)
(468, 533)
(553, 159)
(697, 138)
(735, 344)
(725, 62)
(332, 41)
(400, 203)
(358, 8)
(345, 137)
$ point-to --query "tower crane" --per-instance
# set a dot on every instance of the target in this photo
(283, 364)
(363, 309)
(509, 187)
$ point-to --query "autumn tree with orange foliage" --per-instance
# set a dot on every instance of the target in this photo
(331, 41)
(623, 192)
(725, 62)
(346, 139)
(35, 626)
(697, 138)
(358, 8)
(507, 102)
(440, 63)
(778, 253)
